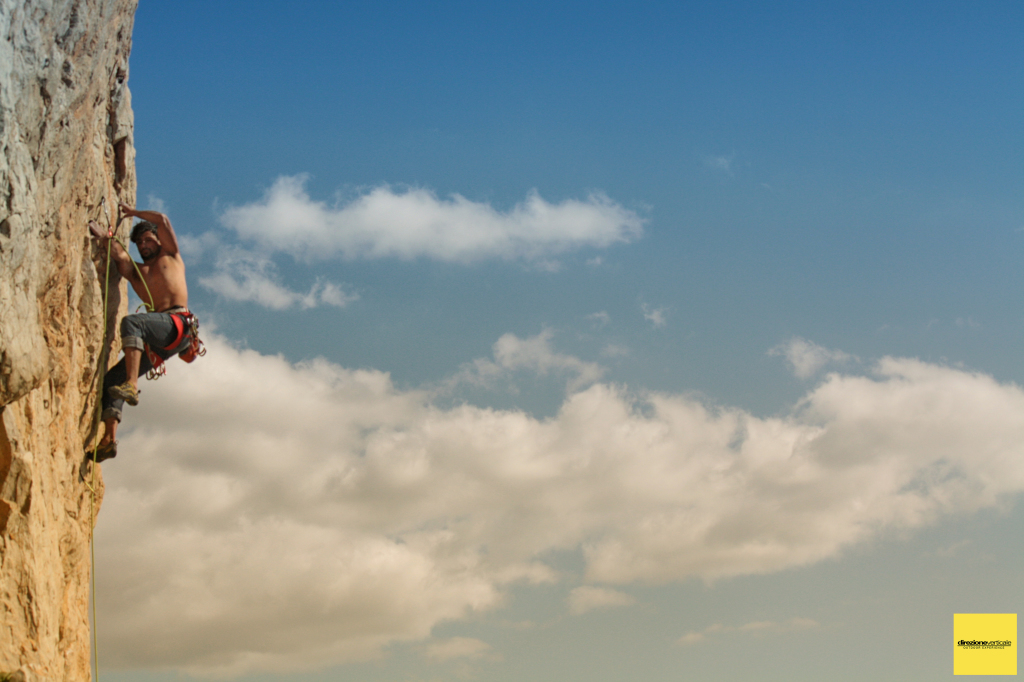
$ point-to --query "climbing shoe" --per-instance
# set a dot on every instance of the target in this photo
(103, 452)
(125, 392)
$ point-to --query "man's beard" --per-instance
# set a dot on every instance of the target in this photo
(151, 256)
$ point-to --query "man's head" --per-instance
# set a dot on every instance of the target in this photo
(145, 237)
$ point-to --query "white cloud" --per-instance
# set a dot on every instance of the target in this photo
(330, 293)
(155, 203)
(264, 516)
(720, 163)
(967, 322)
(614, 351)
(656, 316)
(456, 647)
(691, 638)
(806, 358)
(193, 248)
(588, 598)
(756, 628)
(415, 223)
(533, 354)
(953, 549)
(243, 276)
(600, 318)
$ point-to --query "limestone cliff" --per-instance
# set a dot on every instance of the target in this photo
(66, 156)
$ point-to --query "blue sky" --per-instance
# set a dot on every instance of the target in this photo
(691, 330)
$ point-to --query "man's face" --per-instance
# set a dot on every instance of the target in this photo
(148, 245)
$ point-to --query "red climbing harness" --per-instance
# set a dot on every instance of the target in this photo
(187, 325)
(180, 324)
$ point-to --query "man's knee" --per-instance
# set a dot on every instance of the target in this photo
(132, 330)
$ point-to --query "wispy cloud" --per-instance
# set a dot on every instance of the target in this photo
(243, 276)
(194, 248)
(155, 203)
(315, 514)
(952, 549)
(756, 628)
(415, 223)
(613, 350)
(533, 354)
(721, 163)
(807, 358)
(967, 323)
(588, 598)
(457, 647)
(656, 316)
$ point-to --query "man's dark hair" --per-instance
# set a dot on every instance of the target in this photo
(144, 226)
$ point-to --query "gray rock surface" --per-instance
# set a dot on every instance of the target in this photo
(66, 156)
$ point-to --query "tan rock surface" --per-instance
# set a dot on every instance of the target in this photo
(66, 156)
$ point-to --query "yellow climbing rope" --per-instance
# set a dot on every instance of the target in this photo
(101, 375)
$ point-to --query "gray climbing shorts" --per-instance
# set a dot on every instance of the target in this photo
(156, 329)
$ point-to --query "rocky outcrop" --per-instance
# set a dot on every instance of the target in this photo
(66, 156)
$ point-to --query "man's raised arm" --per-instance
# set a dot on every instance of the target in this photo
(164, 231)
(122, 259)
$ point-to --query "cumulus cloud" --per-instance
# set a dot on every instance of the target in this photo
(757, 628)
(588, 597)
(533, 354)
(268, 516)
(807, 358)
(240, 275)
(415, 223)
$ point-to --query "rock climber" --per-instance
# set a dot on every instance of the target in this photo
(146, 338)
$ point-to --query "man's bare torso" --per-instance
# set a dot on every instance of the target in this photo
(159, 279)
(165, 277)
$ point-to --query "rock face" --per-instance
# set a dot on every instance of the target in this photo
(66, 156)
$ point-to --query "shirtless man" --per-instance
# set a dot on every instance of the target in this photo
(162, 287)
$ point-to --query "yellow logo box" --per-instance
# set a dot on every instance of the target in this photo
(984, 643)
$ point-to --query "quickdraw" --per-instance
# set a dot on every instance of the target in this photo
(195, 349)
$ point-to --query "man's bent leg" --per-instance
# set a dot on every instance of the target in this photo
(112, 405)
(158, 330)
(111, 416)
(132, 360)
